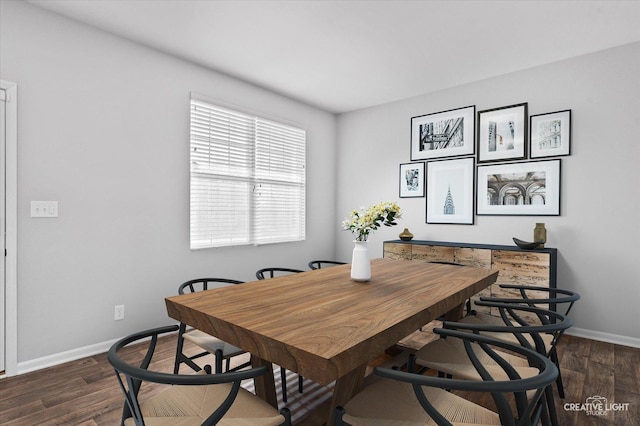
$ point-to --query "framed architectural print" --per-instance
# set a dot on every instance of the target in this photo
(411, 180)
(502, 133)
(450, 191)
(443, 134)
(529, 188)
(550, 134)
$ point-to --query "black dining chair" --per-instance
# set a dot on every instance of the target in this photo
(554, 299)
(273, 272)
(515, 328)
(407, 397)
(206, 399)
(318, 264)
(221, 350)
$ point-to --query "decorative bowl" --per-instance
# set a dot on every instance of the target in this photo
(526, 244)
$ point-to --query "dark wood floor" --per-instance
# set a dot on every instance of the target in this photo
(85, 392)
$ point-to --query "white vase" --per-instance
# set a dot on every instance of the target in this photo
(360, 264)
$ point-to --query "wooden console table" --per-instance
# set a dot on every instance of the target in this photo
(515, 265)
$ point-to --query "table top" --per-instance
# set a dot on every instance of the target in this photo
(322, 324)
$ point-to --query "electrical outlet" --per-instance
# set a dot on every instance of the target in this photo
(118, 313)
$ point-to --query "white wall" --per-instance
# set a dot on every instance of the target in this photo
(103, 129)
(598, 232)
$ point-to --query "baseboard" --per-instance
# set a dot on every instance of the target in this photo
(604, 337)
(62, 357)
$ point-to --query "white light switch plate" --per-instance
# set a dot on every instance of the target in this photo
(44, 209)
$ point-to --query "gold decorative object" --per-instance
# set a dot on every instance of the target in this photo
(540, 234)
(406, 235)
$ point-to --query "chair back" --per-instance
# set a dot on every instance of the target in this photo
(527, 391)
(556, 296)
(131, 375)
(200, 284)
(265, 273)
(318, 264)
(513, 322)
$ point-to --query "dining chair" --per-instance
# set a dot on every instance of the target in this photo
(407, 397)
(556, 300)
(221, 350)
(318, 264)
(273, 272)
(205, 399)
(448, 357)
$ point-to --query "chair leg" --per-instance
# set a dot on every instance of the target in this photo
(554, 357)
(300, 380)
(551, 406)
(179, 347)
(283, 379)
(218, 356)
(337, 416)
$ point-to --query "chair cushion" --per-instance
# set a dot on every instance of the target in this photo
(211, 343)
(191, 405)
(393, 403)
(450, 356)
(486, 319)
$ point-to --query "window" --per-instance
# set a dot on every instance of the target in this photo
(247, 179)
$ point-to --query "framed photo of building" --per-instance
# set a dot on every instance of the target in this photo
(528, 188)
(502, 133)
(411, 180)
(550, 134)
(443, 134)
(450, 191)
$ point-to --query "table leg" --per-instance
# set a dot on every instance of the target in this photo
(265, 385)
(455, 314)
(346, 388)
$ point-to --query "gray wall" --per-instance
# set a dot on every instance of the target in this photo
(598, 232)
(103, 129)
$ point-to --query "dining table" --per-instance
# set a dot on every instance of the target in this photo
(323, 325)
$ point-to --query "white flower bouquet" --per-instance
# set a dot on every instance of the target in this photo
(363, 222)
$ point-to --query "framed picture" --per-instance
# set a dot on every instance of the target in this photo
(529, 188)
(502, 133)
(450, 191)
(550, 134)
(443, 134)
(411, 180)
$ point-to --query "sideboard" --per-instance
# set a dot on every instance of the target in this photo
(517, 266)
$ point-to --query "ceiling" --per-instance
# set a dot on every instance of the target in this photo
(347, 55)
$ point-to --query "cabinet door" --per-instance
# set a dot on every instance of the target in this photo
(521, 268)
(480, 258)
(432, 253)
(397, 251)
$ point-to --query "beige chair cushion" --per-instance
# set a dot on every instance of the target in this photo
(485, 319)
(191, 405)
(450, 356)
(393, 403)
(211, 343)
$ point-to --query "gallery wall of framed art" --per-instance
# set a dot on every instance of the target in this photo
(496, 161)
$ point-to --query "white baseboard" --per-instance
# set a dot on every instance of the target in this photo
(74, 354)
(605, 337)
(62, 357)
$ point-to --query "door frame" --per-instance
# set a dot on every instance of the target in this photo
(11, 218)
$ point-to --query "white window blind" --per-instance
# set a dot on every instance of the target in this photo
(247, 179)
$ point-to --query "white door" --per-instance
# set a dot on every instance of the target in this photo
(8, 228)
(3, 97)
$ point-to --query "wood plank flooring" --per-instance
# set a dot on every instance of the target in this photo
(85, 392)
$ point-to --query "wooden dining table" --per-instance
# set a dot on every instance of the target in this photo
(323, 325)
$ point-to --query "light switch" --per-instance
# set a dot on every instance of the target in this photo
(44, 209)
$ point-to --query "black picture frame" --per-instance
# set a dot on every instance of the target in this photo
(550, 134)
(530, 188)
(502, 133)
(443, 134)
(411, 180)
(450, 191)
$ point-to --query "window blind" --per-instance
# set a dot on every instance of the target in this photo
(247, 179)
